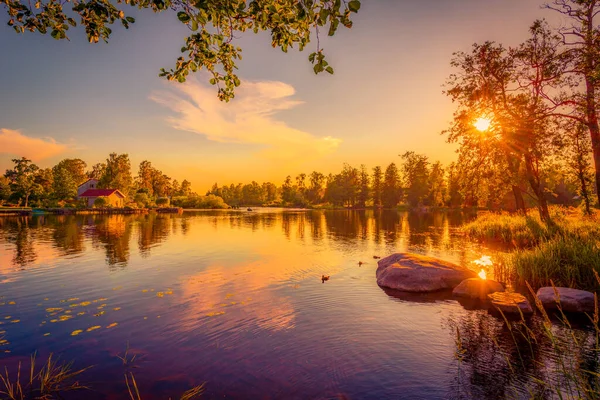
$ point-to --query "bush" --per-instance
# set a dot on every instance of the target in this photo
(207, 202)
(141, 199)
(162, 202)
(101, 202)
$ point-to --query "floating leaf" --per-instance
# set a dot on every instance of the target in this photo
(93, 328)
(76, 332)
(116, 308)
(112, 325)
(46, 334)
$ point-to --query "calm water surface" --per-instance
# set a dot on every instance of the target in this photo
(235, 299)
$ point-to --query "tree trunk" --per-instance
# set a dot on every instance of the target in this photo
(519, 201)
(584, 192)
(536, 185)
(595, 136)
(26, 200)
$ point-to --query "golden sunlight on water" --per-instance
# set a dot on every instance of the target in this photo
(237, 300)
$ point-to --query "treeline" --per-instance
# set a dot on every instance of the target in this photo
(415, 182)
(28, 185)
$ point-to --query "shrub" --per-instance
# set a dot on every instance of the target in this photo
(141, 199)
(162, 202)
(101, 202)
(207, 202)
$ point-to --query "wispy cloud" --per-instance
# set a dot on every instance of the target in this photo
(251, 118)
(15, 143)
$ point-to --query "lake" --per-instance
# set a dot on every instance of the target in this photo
(235, 299)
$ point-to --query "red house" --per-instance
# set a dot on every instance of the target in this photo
(90, 192)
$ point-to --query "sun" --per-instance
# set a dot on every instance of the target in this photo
(482, 124)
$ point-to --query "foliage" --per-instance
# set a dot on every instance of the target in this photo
(50, 381)
(199, 202)
(141, 200)
(214, 26)
(153, 181)
(162, 202)
(22, 178)
(566, 252)
(101, 202)
(391, 191)
(117, 173)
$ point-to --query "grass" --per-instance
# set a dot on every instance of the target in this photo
(566, 253)
(568, 371)
(56, 378)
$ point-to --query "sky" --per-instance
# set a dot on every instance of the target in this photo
(67, 99)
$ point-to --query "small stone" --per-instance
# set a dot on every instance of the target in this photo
(571, 300)
(477, 288)
(510, 302)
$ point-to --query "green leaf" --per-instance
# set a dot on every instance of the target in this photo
(354, 6)
(183, 17)
(330, 70)
(130, 19)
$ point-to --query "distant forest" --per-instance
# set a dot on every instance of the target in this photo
(414, 182)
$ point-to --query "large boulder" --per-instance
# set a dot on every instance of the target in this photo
(571, 300)
(416, 273)
(510, 303)
(477, 288)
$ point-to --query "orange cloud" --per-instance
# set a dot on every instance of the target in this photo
(249, 118)
(15, 143)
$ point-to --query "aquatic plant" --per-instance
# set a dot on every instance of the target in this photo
(570, 371)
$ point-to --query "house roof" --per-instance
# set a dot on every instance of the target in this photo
(101, 192)
(95, 180)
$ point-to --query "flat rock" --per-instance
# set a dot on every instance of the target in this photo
(571, 300)
(477, 288)
(416, 273)
(510, 303)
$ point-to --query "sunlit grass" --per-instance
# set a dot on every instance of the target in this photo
(566, 252)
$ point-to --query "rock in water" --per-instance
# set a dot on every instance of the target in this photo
(477, 288)
(571, 300)
(416, 273)
(510, 303)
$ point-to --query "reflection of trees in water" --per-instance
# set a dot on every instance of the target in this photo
(67, 234)
(152, 229)
(500, 361)
(20, 231)
(113, 233)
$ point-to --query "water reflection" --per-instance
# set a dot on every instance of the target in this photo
(113, 233)
(499, 358)
(235, 299)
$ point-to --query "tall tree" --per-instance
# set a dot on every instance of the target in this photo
(377, 186)
(437, 185)
(117, 174)
(364, 190)
(415, 175)
(391, 192)
(509, 86)
(97, 171)
(215, 25)
(68, 174)
(22, 178)
(581, 40)
(316, 187)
